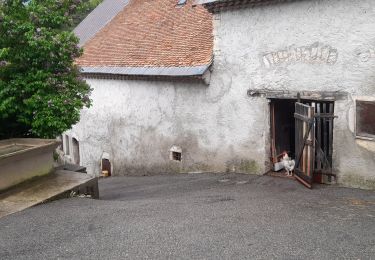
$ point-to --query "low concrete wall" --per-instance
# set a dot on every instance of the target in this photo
(23, 159)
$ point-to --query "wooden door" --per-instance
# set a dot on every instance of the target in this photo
(324, 116)
(304, 143)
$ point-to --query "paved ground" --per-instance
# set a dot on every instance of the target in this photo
(197, 216)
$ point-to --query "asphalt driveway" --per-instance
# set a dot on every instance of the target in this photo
(197, 216)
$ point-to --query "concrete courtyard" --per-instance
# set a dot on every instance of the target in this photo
(197, 216)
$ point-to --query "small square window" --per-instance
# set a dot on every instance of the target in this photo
(176, 156)
(365, 119)
(175, 153)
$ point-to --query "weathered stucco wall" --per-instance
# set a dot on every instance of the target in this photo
(305, 45)
(313, 46)
(137, 122)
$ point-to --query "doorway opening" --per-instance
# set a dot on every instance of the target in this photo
(106, 168)
(304, 130)
(283, 128)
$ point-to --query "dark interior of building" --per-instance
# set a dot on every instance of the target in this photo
(284, 126)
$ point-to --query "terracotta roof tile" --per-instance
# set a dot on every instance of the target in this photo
(153, 33)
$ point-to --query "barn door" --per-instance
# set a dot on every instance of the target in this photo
(304, 143)
(324, 116)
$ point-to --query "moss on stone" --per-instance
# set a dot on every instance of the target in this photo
(356, 181)
(248, 166)
(243, 166)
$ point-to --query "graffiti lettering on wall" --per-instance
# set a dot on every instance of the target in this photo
(315, 53)
(366, 55)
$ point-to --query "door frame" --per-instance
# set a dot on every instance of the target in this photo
(326, 169)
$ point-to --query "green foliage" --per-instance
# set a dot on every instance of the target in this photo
(84, 9)
(41, 92)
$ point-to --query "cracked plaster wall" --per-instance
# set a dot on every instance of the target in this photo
(137, 122)
(306, 45)
(313, 46)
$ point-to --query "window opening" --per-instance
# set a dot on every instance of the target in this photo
(175, 153)
(76, 157)
(176, 156)
(66, 145)
(365, 119)
(61, 146)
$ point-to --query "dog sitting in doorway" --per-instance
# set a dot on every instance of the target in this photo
(288, 164)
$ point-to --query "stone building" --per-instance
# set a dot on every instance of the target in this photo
(184, 86)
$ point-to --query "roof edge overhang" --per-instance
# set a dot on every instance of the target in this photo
(97, 19)
(148, 71)
(216, 6)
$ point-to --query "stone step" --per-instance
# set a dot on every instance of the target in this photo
(57, 185)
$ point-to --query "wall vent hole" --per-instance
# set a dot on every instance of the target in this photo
(176, 156)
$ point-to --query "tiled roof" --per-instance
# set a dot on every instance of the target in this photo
(153, 33)
(98, 18)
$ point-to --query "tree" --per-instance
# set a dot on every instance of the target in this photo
(41, 91)
(84, 9)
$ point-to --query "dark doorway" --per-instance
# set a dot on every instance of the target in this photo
(283, 135)
(106, 167)
(283, 127)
